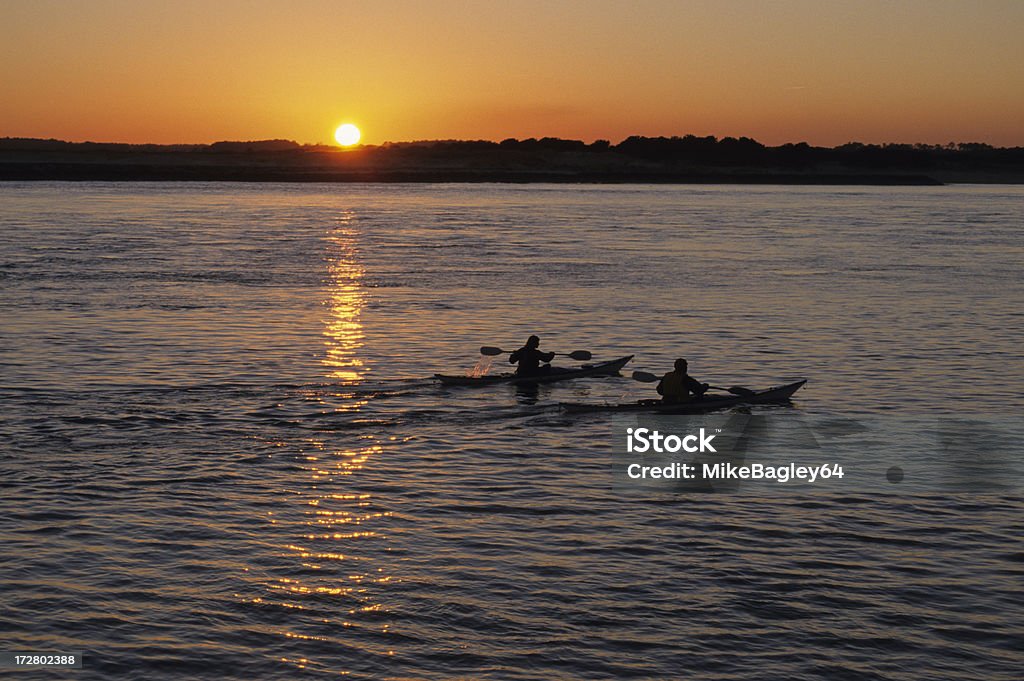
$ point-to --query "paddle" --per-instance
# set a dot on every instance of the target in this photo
(738, 390)
(579, 355)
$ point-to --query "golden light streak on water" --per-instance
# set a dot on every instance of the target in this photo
(319, 548)
(344, 331)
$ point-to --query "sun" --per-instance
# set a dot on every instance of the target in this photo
(347, 134)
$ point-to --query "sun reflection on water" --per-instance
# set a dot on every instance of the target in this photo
(334, 581)
(344, 331)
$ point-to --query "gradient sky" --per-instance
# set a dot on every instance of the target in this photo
(796, 70)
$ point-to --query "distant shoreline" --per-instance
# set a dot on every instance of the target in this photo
(675, 160)
(135, 173)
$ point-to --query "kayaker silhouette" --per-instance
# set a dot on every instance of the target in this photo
(677, 386)
(529, 358)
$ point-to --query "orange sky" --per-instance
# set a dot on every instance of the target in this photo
(823, 72)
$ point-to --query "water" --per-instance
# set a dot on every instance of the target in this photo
(222, 455)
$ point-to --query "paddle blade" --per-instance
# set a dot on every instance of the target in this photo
(490, 351)
(581, 355)
(645, 377)
(741, 391)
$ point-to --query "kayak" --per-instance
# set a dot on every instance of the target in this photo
(775, 395)
(610, 368)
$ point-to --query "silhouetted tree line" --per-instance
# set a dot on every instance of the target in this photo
(30, 144)
(669, 152)
(742, 152)
(745, 152)
(33, 144)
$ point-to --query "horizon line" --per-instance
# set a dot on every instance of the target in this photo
(334, 146)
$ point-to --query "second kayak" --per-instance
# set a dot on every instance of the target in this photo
(778, 394)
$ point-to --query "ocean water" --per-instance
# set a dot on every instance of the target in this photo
(222, 454)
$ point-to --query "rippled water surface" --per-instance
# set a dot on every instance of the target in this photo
(222, 454)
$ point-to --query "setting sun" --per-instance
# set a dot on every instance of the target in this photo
(346, 134)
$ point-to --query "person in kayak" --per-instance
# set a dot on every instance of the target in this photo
(529, 358)
(678, 386)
